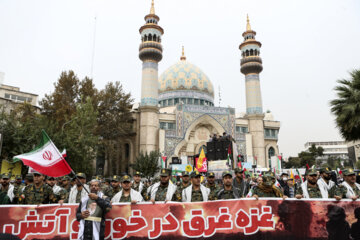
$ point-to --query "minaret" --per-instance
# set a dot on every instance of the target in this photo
(251, 66)
(150, 53)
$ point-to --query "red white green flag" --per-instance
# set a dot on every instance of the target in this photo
(45, 159)
(228, 156)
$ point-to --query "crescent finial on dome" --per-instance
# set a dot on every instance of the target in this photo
(183, 58)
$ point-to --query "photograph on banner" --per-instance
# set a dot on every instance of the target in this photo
(218, 167)
(13, 168)
(177, 169)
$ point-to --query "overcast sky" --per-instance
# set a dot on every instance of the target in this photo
(306, 46)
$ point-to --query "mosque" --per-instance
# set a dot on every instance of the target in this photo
(177, 113)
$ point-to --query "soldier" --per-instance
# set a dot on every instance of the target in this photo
(127, 194)
(240, 183)
(65, 183)
(8, 188)
(78, 192)
(228, 191)
(195, 192)
(185, 182)
(349, 188)
(325, 181)
(59, 192)
(29, 179)
(115, 187)
(163, 190)
(38, 192)
(310, 188)
(18, 182)
(267, 187)
(137, 185)
(210, 184)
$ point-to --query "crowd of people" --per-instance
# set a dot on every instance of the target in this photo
(95, 198)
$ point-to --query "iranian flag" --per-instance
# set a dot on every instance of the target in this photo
(45, 159)
(228, 156)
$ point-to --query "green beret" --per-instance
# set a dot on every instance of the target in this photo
(226, 173)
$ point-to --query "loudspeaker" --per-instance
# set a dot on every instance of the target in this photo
(210, 146)
(176, 160)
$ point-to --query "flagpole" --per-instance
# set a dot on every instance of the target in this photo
(72, 171)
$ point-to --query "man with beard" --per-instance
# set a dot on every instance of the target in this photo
(267, 187)
(228, 191)
(240, 183)
(114, 188)
(137, 185)
(38, 192)
(163, 190)
(65, 184)
(78, 192)
(283, 179)
(59, 192)
(8, 188)
(127, 194)
(185, 182)
(310, 188)
(91, 213)
(210, 184)
(195, 192)
(18, 182)
(349, 188)
(325, 181)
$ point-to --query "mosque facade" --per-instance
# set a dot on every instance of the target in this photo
(177, 113)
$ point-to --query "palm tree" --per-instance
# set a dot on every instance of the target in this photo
(346, 107)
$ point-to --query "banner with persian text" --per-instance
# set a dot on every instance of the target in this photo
(231, 219)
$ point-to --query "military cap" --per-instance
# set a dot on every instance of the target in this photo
(164, 172)
(81, 175)
(29, 176)
(6, 175)
(17, 177)
(325, 170)
(269, 174)
(185, 173)
(226, 173)
(137, 173)
(348, 172)
(98, 177)
(239, 170)
(37, 173)
(108, 179)
(126, 178)
(50, 178)
(66, 178)
(311, 171)
(195, 174)
(116, 178)
(210, 174)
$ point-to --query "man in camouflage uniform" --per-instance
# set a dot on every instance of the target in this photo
(38, 192)
(195, 192)
(115, 187)
(310, 188)
(240, 183)
(325, 181)
(163, 190)
(210, 184)
(8, 188)
(349, 188)
(228, 191)
(127, 194)
(29, 179)
(65, 183)
(77, 192)
(185, 182)
(18, 182)
(59, 192)
(267, 187)
(137, 185)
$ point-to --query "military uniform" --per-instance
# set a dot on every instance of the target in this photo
(343, 190)
(41, 195)
(162, 190)
(213, 188)
(11, 190)
(21, 185)
(196, 195)
(111, 191)
(267, 188)
(314, 192)
(243, 186)
(181, 187)
(136, 187)
(222, 193)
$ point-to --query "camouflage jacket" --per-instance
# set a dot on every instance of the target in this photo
(178, 194)
(342, 191)
(125, 199)
(161, 193)
(42, 195)
(243, 186)
(275, 192)
(196, 196)
(213, 191)
(234, 193)
(314, 192)
(143, 193)
(112, 191)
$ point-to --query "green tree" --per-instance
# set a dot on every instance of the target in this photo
(346, 107)
(147, 164)
(293, 162)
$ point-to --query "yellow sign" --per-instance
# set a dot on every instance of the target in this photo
(188, 168)
(13, 168)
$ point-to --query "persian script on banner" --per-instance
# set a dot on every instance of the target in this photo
(231, 219)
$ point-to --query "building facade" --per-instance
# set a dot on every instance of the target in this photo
(336, 149)
(177, 113)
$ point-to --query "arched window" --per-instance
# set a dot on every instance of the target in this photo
(256, 52)
(154, 38)
(271, 152)
(158, 39)
(247, 52)
(150, 37)
(251, 52)
(145, 38)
